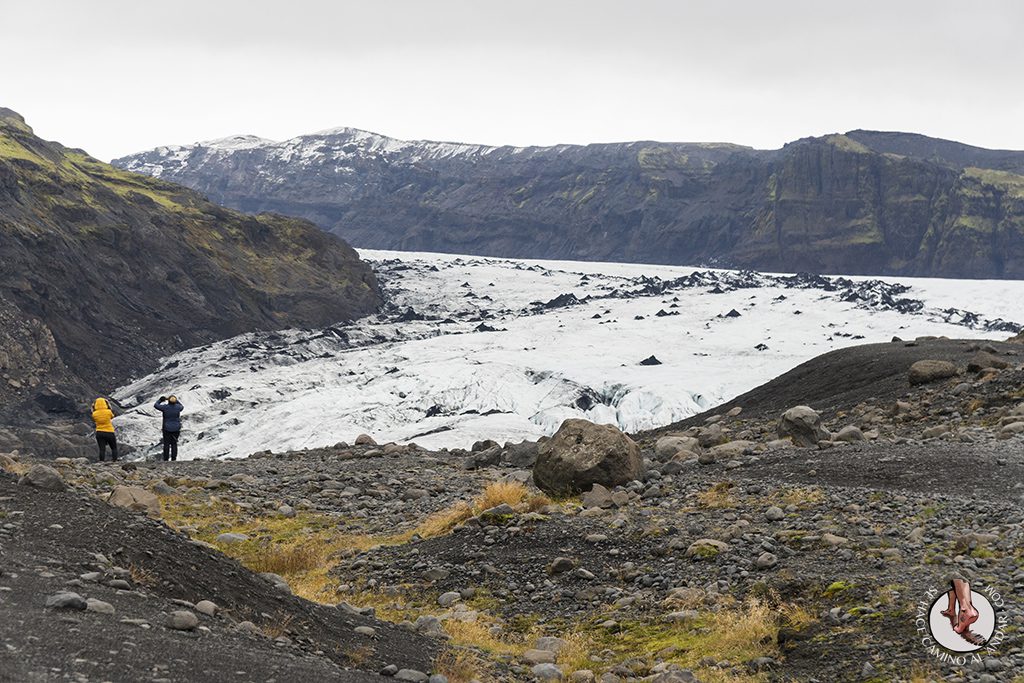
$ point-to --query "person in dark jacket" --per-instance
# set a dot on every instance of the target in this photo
(171, 407)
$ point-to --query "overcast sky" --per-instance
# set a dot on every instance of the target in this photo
(115, 77)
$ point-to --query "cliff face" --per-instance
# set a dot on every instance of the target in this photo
(862, 203)
(102, 271)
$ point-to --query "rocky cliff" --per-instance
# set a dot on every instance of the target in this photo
(102, 271)
(861, 203)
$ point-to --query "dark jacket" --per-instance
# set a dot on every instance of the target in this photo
(172, 415)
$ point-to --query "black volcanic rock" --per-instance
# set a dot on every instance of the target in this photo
(861, 203)
(103, 272)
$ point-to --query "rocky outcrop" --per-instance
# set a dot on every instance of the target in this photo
(104, 272)
(861, 203)
(582, 454)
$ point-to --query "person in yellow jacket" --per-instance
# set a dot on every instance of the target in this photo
(103, 416)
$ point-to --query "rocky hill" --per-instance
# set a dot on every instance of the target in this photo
(861, 203)
(103, 271)
(740, 550)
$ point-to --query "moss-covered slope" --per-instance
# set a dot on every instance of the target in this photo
(103, 271)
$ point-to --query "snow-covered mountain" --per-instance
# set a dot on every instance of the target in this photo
(341, 148)
(470, 348)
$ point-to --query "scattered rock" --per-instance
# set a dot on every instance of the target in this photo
(136, 499)
(521, 455)
(597, 497)
(849, 433)
(230, 538)
(667, 447)
(448, 599)
(207, 607)
(67, 600)
(706, 548)
(925, 371)
(182, 620)
(547, 672)
(539, 657)
(98, 606)
(560, 565)
(43, 477)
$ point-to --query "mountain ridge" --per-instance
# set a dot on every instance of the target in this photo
(104, 271)
(860, 203)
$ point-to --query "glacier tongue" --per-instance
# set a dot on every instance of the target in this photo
(471, 347)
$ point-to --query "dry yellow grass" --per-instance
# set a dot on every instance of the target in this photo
(443, 521)
(477, 635)
(796, 616)
(358, 655)
(576, 655)
(501, 492)
(461, 666)
(304, 549)
(718, 496)
(537, 501)
(16, 468)
(142, 577)
(800, 496)
(496, 493)
(737, 633)
(277, 627)
(288, 559)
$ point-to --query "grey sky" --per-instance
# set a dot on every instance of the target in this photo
(116, 77)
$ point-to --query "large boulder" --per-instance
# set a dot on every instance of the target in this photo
(135, 498)
(925, 371)
(43, 477)
(582, 454)
(802, 425)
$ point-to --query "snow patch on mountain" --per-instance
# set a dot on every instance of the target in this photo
(470, 347)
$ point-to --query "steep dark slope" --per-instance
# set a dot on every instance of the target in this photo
(104, 271)
(836, 381)
(863, 203)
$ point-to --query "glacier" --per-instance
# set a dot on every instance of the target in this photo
(469, 348)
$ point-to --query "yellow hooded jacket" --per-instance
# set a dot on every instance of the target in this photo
(102, 415)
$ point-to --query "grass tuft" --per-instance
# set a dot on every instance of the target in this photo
(718, 496)
(461, 665)
(501, 492)
(278, 627)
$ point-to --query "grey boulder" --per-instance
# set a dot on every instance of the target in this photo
(582, 454)
(802, 425)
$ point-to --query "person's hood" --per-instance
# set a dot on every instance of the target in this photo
(100, 404)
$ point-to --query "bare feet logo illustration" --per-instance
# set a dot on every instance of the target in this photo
(958, 624)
